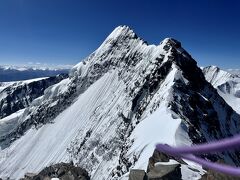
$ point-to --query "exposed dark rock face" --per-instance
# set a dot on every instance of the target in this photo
(157, 172)
(62, 171)
(167, 172)
(157, 157)
(163, 172)
(137, 174)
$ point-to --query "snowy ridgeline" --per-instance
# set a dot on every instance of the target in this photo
(116, 105)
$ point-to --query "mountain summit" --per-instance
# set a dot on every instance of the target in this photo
(115, 106)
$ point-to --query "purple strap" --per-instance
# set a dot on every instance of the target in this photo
(225, 169)
(212, 147)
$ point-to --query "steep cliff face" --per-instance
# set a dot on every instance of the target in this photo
(63, 171)
(115, 106)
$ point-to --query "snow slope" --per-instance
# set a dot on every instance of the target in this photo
(115, 106)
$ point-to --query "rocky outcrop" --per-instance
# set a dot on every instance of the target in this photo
(62, 171)
(157, 171)
(165, 172)
(137, 174)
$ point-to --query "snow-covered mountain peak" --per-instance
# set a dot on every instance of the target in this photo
(123, 48)
(119, 34)
(115, 106)
(216, 76)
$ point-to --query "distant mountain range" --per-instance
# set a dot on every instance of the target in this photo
(15, 73)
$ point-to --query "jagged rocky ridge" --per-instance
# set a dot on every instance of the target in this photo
(116, 104)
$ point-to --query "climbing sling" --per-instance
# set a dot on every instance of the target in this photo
(189, 153)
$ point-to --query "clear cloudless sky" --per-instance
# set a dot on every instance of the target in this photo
(66, 31)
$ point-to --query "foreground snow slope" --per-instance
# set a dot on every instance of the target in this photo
(115, 106)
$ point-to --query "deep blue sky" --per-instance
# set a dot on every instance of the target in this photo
(65, 31)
